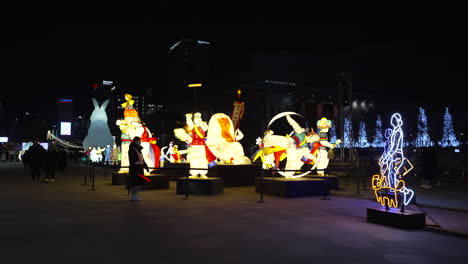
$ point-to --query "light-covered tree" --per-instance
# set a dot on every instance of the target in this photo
(449, 139)
(333, 136)
(362, 141)
(348, 140)
(423, 139)
(378, 137)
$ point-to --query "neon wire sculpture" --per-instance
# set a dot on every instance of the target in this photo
(389, 185)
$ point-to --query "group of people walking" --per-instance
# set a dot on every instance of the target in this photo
(37, 158)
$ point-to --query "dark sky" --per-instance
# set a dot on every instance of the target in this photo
(417, 57)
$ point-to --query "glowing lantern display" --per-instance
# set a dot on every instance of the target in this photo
(298, 148)
(131, 126)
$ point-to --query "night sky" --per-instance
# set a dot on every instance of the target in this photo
(420, 60)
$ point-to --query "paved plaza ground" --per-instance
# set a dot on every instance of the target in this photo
(64, 222)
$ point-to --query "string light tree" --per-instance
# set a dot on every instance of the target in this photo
(347, 140)
(449, 138)
(362, 136)
(423, 139)
(333, 136)
(390, 189)
(378, 141)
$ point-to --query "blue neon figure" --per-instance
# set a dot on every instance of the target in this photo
(393, 167)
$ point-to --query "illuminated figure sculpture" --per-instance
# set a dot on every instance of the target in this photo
(389, 185)
(173, 154)
(199, 155)
(107, 154)
(132, 126)
(295, 149)
(150, 151)
(128, 132)
(94, 156)
(98, 132)
(115, 155)
(222, 140)
(322, 163)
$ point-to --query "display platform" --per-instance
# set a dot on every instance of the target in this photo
(174, 170)
(292, 188)
(393, 217)
(198, 186)
(333, 180)
(119, 178)
(158, 181)
(236, 175)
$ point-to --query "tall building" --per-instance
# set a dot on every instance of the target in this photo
(189, 62)
(79, 128)
(65, 116)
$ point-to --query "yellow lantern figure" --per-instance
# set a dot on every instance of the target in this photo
(129, 110)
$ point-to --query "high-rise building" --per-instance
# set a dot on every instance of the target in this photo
(189, 62)
(65, 116)
(79, 128)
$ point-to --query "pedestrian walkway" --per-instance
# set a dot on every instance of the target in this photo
(65, 222)
(446, 206)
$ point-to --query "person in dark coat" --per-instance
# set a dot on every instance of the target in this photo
(51, 164)
(137, 165)
(35, 157)
(62, 159)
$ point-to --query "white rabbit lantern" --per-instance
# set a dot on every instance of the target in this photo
(98, 132)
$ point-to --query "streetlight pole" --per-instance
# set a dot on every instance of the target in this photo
(350, 96)
(340, 87)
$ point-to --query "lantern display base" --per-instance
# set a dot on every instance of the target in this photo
(291, 188)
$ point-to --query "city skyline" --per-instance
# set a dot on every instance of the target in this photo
(415, 68)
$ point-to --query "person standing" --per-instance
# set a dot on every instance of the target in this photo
(35, 158)
(51, 164)
(62, 159)
(137, 164)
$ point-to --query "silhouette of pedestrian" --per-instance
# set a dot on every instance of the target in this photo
(35, 157)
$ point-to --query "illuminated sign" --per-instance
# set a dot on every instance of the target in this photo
(280, 83)
(107, 82)
(3, 139)
(66, 101)
(26, 145)
(65, 128)
(389, 187)
(203, 42)
(195, 85)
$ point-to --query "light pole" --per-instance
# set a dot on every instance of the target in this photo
(344, 82)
